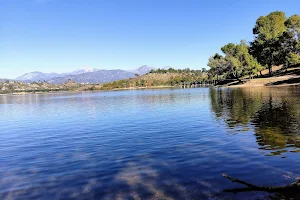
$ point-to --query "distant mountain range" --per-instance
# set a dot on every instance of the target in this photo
(38, 76)
(100, 76)
(84, 75)
(4, 79)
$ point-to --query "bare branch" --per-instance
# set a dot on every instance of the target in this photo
(292, 187)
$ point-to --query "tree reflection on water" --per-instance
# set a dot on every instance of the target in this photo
(273, 114)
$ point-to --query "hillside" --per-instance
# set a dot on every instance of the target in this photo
(156, 78)
(19, 87)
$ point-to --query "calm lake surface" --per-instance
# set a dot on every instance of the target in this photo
(148, 144)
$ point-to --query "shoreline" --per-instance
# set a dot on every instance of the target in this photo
(77, 91)
(266, 86)
(254, 83)
(276, 81)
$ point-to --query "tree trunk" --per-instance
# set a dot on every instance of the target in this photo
(270, 71)
(237, 77)
(260, 73)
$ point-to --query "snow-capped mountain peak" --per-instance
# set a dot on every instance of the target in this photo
(143, 70)
(84, 70)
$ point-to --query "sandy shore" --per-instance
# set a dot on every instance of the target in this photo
(286, 80)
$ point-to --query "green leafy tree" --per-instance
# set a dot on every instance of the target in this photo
(291, 41)
(236, 63)
(266, 47)
(217, 64)
(293, 24)
(233, 56)
(293, 59)
(250, 65)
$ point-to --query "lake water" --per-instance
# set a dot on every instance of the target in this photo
(148, 144)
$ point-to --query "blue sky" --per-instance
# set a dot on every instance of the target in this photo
(64, 35)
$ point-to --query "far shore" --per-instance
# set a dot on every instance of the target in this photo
(281, 81)
(76, 91)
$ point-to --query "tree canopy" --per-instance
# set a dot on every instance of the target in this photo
(276, 42)
(237, 62)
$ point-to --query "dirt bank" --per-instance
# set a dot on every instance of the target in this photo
(290, 77)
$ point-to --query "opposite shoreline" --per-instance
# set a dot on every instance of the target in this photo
(77, 91)
(251, 84)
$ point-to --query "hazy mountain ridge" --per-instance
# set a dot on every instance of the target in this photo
(99, 76)
(38, 76)
(2, 80)
(143, 70)
(84, 75)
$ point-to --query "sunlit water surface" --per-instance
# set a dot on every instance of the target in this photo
(148, 144)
